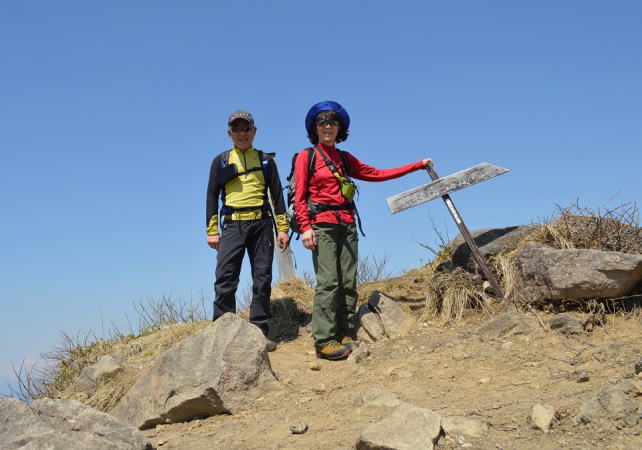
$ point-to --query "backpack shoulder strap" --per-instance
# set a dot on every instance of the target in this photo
(346, 163)
(312, 158)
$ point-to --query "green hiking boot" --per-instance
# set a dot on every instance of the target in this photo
(333, 350)
(348, 342)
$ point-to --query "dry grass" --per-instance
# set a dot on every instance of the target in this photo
(609, 229)
(138, 353)
(450, 294)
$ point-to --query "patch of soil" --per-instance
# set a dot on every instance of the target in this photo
(448, 369)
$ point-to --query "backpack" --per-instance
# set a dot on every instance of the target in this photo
(295, 227)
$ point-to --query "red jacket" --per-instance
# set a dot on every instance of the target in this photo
(323, 186)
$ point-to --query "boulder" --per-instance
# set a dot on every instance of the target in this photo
(567, 323)
(64, 424)
(381, 318)
(619, 403)
(506, 324)
(548, 274)
(456, 426)
(221, 369)
(490, 241)
(369, 326)
(96, 374)
(407, 427)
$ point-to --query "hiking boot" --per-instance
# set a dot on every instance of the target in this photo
(333, 350)
(270, 346)
(348, 342)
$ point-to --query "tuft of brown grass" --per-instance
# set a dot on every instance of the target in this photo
(450, 293)
(609, 229)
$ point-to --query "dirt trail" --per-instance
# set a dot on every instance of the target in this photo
(445, 368)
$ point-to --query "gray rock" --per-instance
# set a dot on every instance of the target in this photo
(490, 241)
(619, 404)
(55, 424)
(381, 318)
(567, 323)
(221, 369)
(455, 426)
(507, 324)
(542, 417)
(298, 427)
(638, 366)
(548, 274)
(369, 326)
(395, 322)
(406, 428)
(92, 376)
(359, 354)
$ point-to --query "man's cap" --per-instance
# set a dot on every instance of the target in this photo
(240, 114)
(326, 106)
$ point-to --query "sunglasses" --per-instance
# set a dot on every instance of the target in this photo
(241, 128)
(322, 123)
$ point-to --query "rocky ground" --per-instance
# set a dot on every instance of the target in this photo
(450, 369)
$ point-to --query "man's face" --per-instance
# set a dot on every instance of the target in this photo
(242, 133)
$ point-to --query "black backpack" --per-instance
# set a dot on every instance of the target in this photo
(291, 189)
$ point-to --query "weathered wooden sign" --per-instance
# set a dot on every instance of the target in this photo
(441, 187)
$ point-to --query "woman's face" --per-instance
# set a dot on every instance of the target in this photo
(327, 129)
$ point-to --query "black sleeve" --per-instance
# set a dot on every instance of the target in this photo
(276, 190)
(213, 190)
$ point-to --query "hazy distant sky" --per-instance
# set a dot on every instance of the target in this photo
(110, 114)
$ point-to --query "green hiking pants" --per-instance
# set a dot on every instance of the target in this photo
(335, 265)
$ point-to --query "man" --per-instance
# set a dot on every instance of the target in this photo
(243, 177)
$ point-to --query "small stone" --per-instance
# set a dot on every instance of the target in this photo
(582, 376)
(163, 442)
(542, 417)
(359, 354)
(319, 388)
(298, 427)
(310, 352)
(484, 380)
(461, 440)
(638, 366)
(315, 365)
(304, 400)
(507, 345)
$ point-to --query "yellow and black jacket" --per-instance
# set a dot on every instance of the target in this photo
(244, 196)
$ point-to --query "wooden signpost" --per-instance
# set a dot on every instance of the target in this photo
(442, 187)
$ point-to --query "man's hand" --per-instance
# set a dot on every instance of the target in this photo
(309, 240)
(427, 162)
(213, 241)
(282, 240)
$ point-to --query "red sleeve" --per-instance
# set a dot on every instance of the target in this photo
(302, 181)
(364, 172)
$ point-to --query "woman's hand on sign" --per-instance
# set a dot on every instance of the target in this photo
(309, 240)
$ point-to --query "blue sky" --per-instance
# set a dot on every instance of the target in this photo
(110, 114)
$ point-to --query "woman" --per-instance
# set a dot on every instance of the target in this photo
(326, 214)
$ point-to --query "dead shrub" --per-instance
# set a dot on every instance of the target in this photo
(609, 229)
(450, 293)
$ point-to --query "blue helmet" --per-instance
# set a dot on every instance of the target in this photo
(326, 106)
